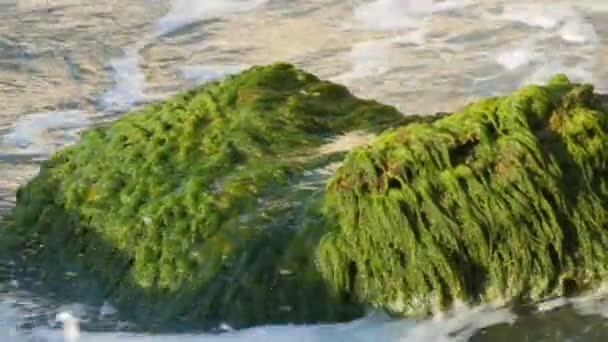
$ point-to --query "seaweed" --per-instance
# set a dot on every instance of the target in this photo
(190, 210)
(502, 202)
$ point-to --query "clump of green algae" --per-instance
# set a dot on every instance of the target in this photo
(191, 206)
(503, 201)
(201, 207)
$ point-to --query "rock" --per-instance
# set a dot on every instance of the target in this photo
(505, 201)
(193, 208)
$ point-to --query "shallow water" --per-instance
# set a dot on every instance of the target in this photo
(68, 64)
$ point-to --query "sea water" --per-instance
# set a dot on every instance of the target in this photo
(69, 64)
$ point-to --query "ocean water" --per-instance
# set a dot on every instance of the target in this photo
(69, 64)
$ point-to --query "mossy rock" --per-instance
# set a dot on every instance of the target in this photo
(204, 207)
(505, 201)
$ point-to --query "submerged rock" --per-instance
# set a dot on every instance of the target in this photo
(504, 201)
(204, 207)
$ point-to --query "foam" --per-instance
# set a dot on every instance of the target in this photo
(400, 14)
(41, 133)
(393, 14)
(592, 5)
(552, 304)
(209, 72)
(538, 15)
(595, 304)
(372, 57)
(578, 30)
(377, 327)
(71, 326)
(579, 73)
(449, 5)
(346, 142)
(512, 59)
(185, 12)
(368, 58)
(129, 82)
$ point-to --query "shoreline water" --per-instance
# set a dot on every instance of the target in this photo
(59, 59)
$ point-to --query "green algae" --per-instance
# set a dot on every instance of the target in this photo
(189, 209)
(504, 201)
(209, 207)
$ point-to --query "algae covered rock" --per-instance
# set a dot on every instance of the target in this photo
(503, 201)
(204, 207)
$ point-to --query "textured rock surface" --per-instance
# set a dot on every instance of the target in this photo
(503, 201)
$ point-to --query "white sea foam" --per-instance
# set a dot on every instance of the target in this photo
(185, 12)
(578, 30)
(511, 59)
(593, 304)
(541, 15)
(71, 326)
(209, 72)
(373, 57)
(457, 326)
(107, 309)
(399, 14)
(41, 133)
(129, 82)
(393, 14)
(577, 73)
(368, 58)
(592, 5)
(451, 5)
(346, 142)
(409, 21)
